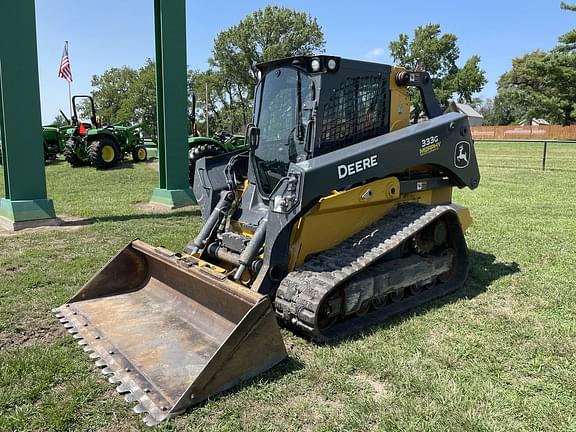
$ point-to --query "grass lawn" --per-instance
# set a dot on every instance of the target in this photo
(498, 355)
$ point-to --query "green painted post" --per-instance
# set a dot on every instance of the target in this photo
(20, 119)
(172, 96)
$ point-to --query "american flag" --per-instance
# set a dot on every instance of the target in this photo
(64, 71)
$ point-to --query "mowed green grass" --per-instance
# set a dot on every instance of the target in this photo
(498, 355)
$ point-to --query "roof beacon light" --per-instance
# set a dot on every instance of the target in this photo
(315, 64)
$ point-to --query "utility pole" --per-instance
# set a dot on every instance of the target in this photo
(206, 112)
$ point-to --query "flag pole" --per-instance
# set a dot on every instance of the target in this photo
(69, 85)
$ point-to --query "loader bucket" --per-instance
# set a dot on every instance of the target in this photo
(171, 334)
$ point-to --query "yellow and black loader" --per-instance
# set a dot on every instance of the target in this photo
(338, 216)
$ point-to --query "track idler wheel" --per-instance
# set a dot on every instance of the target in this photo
(445, 277)
(329, 311)
(364, 308)
(397, 295)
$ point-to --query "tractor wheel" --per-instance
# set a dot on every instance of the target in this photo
(139, 154)
(104, 153)
(195, 153)
(51, 150)
(71, 156)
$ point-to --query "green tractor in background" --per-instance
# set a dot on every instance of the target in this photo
(202, 146)
(102, 146)
(55, 137)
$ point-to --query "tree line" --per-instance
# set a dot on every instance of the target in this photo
(539, 84)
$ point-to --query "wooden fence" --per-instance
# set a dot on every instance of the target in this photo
(516, 132)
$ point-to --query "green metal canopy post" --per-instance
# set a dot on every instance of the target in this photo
(172, 96)
(26, 201)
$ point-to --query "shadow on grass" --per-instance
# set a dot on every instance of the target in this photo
(121, 165)
(144, 216)
(483, 271)
(55, 162)
(124, 164)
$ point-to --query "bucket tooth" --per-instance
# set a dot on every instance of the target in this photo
(122, 388)
(100, 363)
(129, 397)
(135, 396)
(170, 335)
(139, 409)
(152, 421)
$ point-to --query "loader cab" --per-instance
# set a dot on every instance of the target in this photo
(307, 106)
(284, 102)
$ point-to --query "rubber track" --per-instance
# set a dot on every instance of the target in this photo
(300, 294)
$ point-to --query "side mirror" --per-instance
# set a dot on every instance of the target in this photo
(253, 137)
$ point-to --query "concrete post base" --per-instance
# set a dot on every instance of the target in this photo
(9, 225)
(172, 198)
(17, 211)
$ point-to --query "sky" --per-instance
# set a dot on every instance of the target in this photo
(106, 33)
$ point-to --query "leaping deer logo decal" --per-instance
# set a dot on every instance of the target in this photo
(462, 154)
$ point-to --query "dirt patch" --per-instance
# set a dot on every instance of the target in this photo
(156, 208)
(502, 306)
(381, 389)
(153, 165)
(439, 336)
(67, 223)
(121, 426)
(12, 270)
(37, 336)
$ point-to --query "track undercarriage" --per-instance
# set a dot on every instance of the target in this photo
(416, 254)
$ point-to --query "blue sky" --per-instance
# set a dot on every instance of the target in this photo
(106, 33)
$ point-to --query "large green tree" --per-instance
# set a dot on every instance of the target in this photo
(438, 54)
(141, 98)
(266, 34)
(59, 120)
(224, 110)
(110, 92)
(126, 95)
(540, 84)
(568, 40)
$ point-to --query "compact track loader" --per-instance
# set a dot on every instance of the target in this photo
(338, 216)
